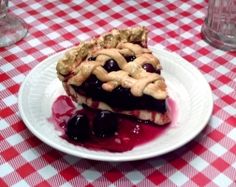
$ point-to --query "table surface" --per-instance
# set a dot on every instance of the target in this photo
(54, 25)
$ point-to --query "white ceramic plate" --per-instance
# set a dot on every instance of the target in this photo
(186, 85)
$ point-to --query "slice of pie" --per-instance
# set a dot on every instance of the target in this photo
(117, 72)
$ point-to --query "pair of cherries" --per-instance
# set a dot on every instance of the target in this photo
(105, 124)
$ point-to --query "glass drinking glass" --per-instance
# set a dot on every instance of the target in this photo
(219, 28)
(12, 28)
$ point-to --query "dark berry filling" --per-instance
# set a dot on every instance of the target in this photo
(158, 71)
(92, 87)
(130, 58)
(111, 65)
(120, 98)
(150, 68)
(91, 58)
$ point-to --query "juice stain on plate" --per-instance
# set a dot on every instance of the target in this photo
(130, 133)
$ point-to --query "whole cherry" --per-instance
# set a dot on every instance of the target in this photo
(77, 128)
(111, 65)
(105, 124)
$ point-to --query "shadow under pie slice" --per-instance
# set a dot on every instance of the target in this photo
(117, 72)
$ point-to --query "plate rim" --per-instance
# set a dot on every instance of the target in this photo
(115, 159)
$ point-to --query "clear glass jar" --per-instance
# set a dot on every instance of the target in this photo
(12, 28)
(219, 28)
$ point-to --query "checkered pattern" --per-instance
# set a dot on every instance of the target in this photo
(208, 160)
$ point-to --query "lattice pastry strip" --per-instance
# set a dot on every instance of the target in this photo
(76, 55)
(131, 75)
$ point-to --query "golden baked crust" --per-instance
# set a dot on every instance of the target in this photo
(74, 68)
(76, 55)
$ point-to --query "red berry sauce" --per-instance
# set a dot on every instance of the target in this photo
(130, 132)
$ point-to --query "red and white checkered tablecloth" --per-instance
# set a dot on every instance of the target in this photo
(208, 160)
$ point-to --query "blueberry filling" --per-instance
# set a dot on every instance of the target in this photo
(119, 98)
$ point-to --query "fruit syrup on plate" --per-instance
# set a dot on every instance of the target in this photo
(100, 129)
